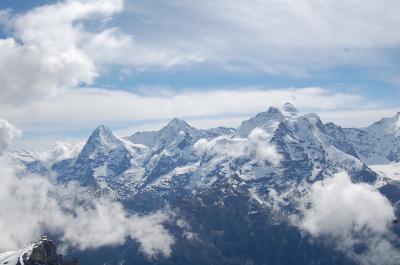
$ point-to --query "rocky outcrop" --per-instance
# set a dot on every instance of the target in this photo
(42, 252)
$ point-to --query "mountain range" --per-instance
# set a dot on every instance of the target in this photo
(224, 182)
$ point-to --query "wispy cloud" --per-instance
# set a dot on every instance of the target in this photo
(275, 37)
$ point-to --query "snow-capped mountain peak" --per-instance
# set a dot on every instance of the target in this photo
(177, 124)
(104, 136)
(100, 141)
(309, 149)
(174, 133)
(289, 110)
(267, 121)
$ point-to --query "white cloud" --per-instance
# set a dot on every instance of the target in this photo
(74, 107)
(202, 146)
(113, 47)
(338, 205)
(87, 108)
(259, 141)
(277, 37)
(53, 49)
(44, 50)
(257, 144)
(8, 134)
(351, 214)
(31, 205)
(68, 44)
(60, 151)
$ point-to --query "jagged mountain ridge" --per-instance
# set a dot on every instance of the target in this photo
(311, 150)
(167, 159)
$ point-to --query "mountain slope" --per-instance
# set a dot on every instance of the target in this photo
(378, 143)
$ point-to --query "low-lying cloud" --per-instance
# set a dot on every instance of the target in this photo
(31, 205)
(258, 143)
(355, 216)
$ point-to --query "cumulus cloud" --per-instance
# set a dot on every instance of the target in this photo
(354, 215)
(45, 50)
(53, 49)
(31, 205)
(260, 142)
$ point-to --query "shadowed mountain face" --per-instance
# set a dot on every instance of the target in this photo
(42, 252)
(221, 181)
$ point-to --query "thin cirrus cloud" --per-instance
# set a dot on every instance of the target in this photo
(275, 37)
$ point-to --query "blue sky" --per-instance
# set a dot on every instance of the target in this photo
(157, 53)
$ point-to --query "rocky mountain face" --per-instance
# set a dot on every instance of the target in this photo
(379, 142)
(42, 252)
(222, 181)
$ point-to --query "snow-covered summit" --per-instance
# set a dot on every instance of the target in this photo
(289, 110)
(177, 124)
(104, 136)
(268, 121)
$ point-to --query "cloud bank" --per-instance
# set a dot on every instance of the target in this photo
(31, 205)
(355, 216)
(73, 105)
